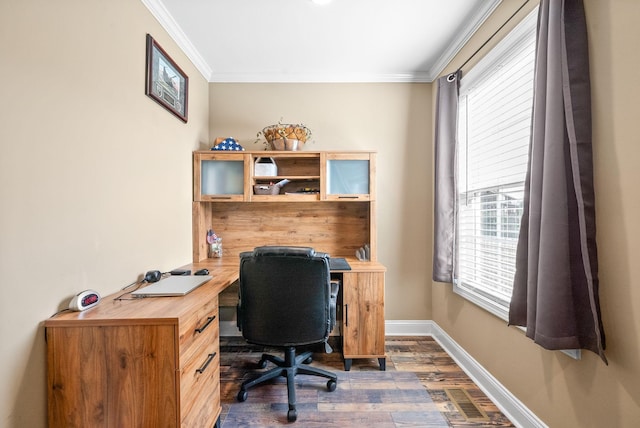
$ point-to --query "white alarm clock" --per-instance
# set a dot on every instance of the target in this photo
(84, 300)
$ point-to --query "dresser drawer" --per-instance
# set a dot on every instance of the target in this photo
(200, 387)
(197, 330)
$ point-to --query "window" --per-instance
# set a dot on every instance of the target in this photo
(494, 124)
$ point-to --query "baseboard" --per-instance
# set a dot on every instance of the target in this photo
(409, 328)
(512, 408)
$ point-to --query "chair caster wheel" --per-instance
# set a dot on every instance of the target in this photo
(262, 364)
(331, 385)
(242, 395)
(308, 360)
(292, 415)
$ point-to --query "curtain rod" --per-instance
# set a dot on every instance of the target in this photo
(453, 75)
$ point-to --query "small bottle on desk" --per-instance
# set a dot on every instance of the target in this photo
(215, 248)
(215, 244)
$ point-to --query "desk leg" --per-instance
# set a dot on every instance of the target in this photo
(347, 364)
(383, 363)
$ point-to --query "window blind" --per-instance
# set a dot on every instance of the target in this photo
(494, 121)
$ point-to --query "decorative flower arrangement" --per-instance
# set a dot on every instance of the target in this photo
(284, 136)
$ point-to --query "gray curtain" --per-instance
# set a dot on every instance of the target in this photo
(555, 294)
(444, 187)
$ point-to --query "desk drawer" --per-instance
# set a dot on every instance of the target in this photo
(198, 330)
(200, 387)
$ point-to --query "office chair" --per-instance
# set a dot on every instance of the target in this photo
(286, 300)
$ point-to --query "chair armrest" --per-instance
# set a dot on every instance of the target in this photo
(335, 286)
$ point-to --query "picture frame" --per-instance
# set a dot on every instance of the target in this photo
(165, 81)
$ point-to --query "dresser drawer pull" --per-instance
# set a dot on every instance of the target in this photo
(209, 321)
(346, 315)
(206, 363)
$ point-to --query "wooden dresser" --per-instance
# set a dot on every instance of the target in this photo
(144, 362)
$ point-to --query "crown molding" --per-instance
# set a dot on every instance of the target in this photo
(481, 14)
(320, 77)
(162, 15)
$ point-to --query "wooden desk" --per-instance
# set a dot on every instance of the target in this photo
(338, 218)
(150, 362)
(362, 306)
(155, 361)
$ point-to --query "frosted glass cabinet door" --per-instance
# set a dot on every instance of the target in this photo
(222, 177)
(348, 177)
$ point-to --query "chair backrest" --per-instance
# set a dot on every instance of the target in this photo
(284, 296)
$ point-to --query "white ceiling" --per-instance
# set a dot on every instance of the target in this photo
(299, 41)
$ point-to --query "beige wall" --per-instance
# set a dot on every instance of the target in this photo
(561, 391)
(96, 188)
(95, 176)
(392, 119)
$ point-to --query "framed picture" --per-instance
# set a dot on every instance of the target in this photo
(165, 82)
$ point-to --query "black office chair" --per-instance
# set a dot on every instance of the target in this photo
(286, 300)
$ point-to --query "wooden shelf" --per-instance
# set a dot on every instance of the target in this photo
(276, 178)
(301, 197)
(339, 219)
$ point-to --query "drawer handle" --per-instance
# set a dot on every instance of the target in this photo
(346, 315)
(209, 321)
(348, 197)
(206, 363)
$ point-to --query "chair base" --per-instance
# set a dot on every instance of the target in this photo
(288, 367)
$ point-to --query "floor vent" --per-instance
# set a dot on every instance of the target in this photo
(465, 405)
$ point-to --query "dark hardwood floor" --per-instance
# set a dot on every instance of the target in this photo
(421, 387)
